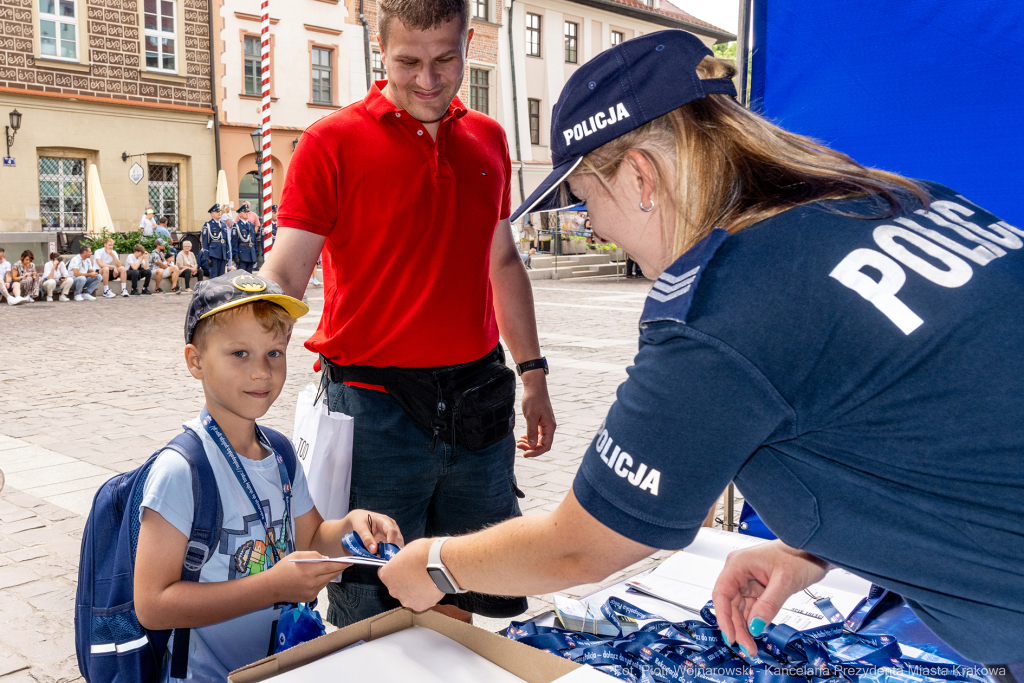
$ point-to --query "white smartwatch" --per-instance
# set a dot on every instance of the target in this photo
(440, 575)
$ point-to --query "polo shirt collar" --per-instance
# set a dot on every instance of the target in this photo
(378, 105)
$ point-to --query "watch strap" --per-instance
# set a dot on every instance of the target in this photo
(434, 563)
(537, 364)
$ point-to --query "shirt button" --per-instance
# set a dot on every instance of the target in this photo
(419, 132)
(398, 114)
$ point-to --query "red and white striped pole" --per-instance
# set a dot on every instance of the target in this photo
(266, 171)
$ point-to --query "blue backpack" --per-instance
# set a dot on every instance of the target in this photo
(112, 646)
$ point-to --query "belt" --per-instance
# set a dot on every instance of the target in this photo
(368, 374)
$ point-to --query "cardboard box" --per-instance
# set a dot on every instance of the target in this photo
(530, 664)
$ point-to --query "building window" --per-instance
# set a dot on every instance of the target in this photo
(479, 90)
(617, 38)
(58, 29)
(480, 10)
(379, 72)
(534, 106)
(322, 80)
(62, 194)
(160, 35)
(253, 66)
(572, 31)
(533, 34)
(163, 192)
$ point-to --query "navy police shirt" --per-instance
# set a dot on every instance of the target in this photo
(862, 381)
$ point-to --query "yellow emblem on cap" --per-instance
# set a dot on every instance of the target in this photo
(249, 283)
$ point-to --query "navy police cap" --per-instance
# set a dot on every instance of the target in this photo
(215, 207)
(616, 92)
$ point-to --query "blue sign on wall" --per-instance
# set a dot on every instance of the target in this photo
(8, 161)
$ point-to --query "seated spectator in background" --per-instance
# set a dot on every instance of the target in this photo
(24, 274)
(147, 224)
(86, 275)
(6, 282)
(188, 265)
(203, 259)
(161, 266)
(137, 269)
(162, 230)
(55, 274)
(110, 266)
(164, 233)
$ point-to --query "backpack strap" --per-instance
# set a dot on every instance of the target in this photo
(207, 519)
(283, 445)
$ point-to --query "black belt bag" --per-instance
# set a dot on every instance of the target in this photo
(472, 404)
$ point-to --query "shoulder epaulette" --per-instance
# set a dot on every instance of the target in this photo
(672, 294)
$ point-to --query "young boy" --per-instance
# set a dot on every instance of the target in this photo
(236, 334)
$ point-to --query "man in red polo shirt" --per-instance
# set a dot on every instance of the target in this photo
(407, 195)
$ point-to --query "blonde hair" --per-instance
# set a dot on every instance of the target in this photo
(270, 316)
(733, 168)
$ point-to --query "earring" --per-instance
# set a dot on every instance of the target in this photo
(647, 209)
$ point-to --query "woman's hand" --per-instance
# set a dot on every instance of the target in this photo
(373, 528)
(301, 581)
(407, 579)
(755, 583)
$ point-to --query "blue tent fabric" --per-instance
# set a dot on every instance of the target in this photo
(930, 89)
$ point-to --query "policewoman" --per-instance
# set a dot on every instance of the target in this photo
(216, 239)
(245, 240)
(845, 344)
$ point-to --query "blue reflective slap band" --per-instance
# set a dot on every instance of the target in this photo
(214, 430)
(354, 545)
(693, 652)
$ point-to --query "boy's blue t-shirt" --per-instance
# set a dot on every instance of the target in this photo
(862, 381)
(218, 649)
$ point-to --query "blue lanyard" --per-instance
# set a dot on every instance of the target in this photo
(695, 652)
(231, 456)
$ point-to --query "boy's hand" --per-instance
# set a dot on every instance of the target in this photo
(302, 581)
(373, 528)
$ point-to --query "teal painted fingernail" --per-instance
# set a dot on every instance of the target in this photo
(757, 626)
(726, 639)
(744, 648)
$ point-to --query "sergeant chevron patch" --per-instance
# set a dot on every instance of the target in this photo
(672, 294)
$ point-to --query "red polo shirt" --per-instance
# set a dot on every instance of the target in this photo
(409, 223)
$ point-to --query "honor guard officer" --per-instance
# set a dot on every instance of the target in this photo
(216, 242)
(845, 344)
(245, 240)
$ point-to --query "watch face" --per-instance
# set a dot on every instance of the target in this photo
(441, 581)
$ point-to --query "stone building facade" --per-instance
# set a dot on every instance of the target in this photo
(95, 80)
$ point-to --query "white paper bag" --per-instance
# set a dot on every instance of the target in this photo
(323, 444)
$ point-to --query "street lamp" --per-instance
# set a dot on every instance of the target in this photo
(15, 125)
(257, 144)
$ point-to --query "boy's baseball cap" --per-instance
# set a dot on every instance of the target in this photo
(230, 290)
(616, 92)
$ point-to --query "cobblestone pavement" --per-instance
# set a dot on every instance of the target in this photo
(93, 388)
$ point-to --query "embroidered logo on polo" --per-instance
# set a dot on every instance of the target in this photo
(669, 287)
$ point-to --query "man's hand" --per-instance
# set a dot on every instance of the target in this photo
(755, 583)
(540, 417)
(300, 581)
(407, 579)
(374, 528)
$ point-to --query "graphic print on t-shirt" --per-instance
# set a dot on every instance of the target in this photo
(251, 556)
